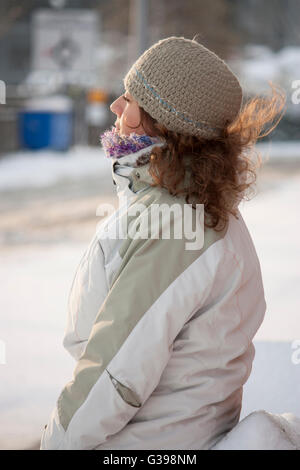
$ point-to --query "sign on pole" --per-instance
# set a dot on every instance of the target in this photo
(64, 39)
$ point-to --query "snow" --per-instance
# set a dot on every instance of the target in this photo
(263, 431)
(272, 218)
(35, 281)
(45, 168)
(274, 383)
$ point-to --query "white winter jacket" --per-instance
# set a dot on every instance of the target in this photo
(162, 334)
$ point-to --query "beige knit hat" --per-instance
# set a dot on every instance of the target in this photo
(185, 86)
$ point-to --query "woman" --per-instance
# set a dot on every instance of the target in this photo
(162, 327)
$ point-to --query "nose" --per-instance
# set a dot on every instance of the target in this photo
(116, 108)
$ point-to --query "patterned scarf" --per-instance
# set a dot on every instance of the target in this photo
(116, 146)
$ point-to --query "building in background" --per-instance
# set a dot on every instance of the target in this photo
(72, 47)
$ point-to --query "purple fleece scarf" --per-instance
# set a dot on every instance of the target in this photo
(116, 146)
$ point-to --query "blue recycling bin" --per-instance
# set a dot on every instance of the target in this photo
(46, 123)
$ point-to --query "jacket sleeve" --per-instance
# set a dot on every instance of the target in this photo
(84, 304)
(155, 292)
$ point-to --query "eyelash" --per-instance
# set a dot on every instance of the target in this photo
(126, 99)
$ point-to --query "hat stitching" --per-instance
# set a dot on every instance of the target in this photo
(171, 108)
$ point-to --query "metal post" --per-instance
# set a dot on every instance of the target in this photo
(138, 40)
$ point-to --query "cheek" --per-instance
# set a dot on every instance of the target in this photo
(132, 115)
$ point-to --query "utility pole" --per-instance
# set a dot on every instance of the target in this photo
(138, 29)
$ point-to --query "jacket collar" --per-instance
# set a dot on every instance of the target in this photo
(126, 173)
(131, 179)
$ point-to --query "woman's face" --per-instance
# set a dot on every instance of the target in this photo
(128, 114)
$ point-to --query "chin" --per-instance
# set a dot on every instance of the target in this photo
(117, 131)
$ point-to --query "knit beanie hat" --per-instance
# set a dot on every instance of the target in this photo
(186, 87)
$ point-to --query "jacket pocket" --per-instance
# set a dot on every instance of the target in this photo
(125, 392)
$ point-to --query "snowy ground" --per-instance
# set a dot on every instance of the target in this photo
(48, 206)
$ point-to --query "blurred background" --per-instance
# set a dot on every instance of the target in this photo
(61, 65)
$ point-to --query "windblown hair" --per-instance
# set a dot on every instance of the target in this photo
(224, 169)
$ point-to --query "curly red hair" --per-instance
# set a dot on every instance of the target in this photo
(223, 170)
